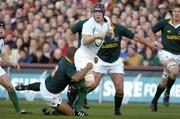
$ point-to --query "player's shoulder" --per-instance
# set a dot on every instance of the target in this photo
(164, 20)
(82, 21)
(89, 21)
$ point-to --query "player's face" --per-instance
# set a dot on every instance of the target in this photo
(176, 14)
(98, 15)
(2, 32)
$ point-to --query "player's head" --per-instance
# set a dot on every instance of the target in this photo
(99, 11)
(176, 12)
(70, 53)
(2, 29)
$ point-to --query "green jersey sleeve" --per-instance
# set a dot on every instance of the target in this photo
(126, 32)
(71, 70)
(159, 26)
(77, 28)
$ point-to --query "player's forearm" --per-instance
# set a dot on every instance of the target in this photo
(80, 75)
(141, 40)
(88, 39)
(69, 38)
(152, 35)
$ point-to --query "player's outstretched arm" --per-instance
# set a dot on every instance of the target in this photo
(150, 43)
(80, 75)
(70, 38)
(87, 39)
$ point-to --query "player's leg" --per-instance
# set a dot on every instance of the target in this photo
(169, 63)
(55, 101)
(82, 93)
(72, 94)
(33, 86)
(65, 109)
(116, 73)
(173, 72)
(160, 88)
(117, 79)
(5, 82)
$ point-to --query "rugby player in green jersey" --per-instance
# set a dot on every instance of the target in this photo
(108, 59)
(4, 80)
(169, 55)
(62, 75)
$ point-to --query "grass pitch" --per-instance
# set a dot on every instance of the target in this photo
(96, 111)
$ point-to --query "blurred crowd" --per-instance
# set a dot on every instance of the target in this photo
(36, 28)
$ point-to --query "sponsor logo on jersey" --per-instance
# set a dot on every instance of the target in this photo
(112, 45)
(173, 37)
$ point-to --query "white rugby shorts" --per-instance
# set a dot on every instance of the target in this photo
(165, 55)
(105, 67)
(2, 71)
(51, 99)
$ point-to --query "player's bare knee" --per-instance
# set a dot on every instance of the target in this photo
(163, 83)
(119, 90)
(174, 72)
(9, 88)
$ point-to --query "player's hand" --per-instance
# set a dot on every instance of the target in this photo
(17, 66)
(155, 45)
(99, 35)
(89, 66)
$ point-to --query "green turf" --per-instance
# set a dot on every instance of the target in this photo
(96, 111)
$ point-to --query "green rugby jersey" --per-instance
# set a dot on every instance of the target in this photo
(77, 28)
(170, 35)
(60, 77)
(110, 50)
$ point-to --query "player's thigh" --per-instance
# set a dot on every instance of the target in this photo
(65, 109)
(5, 82)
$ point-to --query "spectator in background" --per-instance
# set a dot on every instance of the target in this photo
(56, 56)
(149, 59)
(46, 50)
(42, 19)
(40, 57)
(124, 51)
(23, 52)
(134, 58)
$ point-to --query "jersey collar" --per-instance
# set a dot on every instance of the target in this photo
(171, 22)
(68, 60)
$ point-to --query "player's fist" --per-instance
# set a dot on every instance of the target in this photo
(89, 66)
(157, 45)
(17, 66)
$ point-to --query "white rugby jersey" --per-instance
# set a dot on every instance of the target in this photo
(91, 27)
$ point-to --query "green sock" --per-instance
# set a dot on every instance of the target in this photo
(118, 101)
(158, 94)
(34, 86)
(14, 99)
(81, 96)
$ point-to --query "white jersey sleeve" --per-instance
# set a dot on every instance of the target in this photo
(87, 28)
